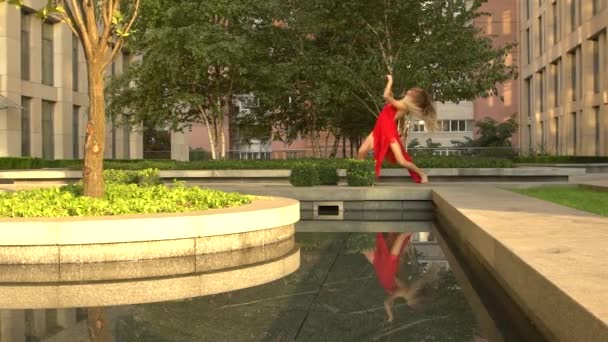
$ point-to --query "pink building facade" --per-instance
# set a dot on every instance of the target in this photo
(503, 25)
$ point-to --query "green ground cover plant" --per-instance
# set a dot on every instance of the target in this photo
(594, 201)
(125, 193)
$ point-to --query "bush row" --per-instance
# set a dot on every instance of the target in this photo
(125, 193)
(561, 159)
(423, 161)
(358, 173)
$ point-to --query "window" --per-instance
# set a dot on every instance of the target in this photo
(555, 66)
(529, 138)
(47, 54)
(597, 6)
(572, 15)
(527, 9)
(541, 89)
(529, 45)
(596, 66)
(47, 130)
(446, 125)
(113, 138)
(25, 46)
(75, 44)
(556, 31)
(573, 74)
(574, 133)
(454, 125)
(126, 142)
(556, 135)
(542, 136)
(528, 88)
(75, 131)
(25, 126)
(541, 35)
(462, 126)
(419, 126)
(596, 112)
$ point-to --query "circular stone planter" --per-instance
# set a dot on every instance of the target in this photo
(140, 237)
(144, 281)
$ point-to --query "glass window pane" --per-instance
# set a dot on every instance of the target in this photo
(47, 54)
(461, 125)
(25, 46)
(75, 131)
(454, 125)
(25, 126)
(47, 130)
(446, 125)
(469, 126)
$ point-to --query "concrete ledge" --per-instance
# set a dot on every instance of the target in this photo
(141, 269)
(588, 167)
(156, 289)
(550, 259)
(363, 226)
(135, 237)
(334, 193)
(283, 175)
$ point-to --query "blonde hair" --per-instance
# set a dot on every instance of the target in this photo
(420, 103)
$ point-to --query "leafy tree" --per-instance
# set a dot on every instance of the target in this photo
(491, 133)
(101, 26)
(195, 56)
(333, 57)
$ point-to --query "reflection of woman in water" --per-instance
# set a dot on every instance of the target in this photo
(385, 258)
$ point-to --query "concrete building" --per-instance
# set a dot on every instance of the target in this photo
(455, 123)
(43, 71)
(564, 77)
(502, 24)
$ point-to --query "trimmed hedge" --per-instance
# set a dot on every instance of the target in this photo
(304, 174)
(423, 161)
(561, 159)
(360, 173)
(122, 196)
(328, 174)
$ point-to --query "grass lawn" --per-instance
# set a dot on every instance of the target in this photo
(594, 201)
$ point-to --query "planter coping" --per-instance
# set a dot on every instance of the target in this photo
(550, 258)
(262, 213)
(122, 292)
(283, 173)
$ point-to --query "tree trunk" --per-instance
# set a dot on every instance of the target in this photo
(334, 147)
(92, 172)
(98, 325)
(211, 141)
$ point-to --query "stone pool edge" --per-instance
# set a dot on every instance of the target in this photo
(547, 257)
(130, 237)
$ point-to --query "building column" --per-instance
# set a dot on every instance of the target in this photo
(180, 147)
(10, 79)
(12, 325)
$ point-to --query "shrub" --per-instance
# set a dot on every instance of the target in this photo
(561, 159)
(119, 199)
(328, 174)
(119, 176)
(304, 174)
(360, 173)
(10, 163)
(148, 177)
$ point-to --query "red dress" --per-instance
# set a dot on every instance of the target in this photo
(385, 132)
(386, 264)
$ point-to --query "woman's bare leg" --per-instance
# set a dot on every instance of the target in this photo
(366, 146)
(406, 164)
(397, 246)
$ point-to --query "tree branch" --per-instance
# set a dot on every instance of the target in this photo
(84, 32)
